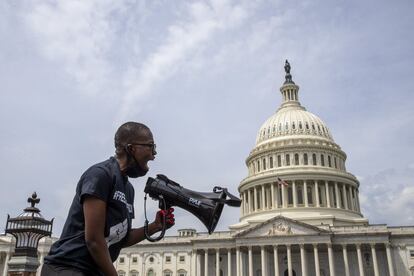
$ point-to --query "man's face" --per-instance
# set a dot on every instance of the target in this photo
(143, 149)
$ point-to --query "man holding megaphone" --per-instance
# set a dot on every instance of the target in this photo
(99, 222)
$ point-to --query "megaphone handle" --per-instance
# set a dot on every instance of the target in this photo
(164, 223)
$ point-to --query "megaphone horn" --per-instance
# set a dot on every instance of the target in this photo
(207, 207)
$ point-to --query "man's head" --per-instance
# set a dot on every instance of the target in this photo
(134, 144)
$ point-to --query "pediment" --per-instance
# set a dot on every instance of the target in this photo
(280, 226)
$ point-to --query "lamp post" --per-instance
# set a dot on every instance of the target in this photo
(28, 228)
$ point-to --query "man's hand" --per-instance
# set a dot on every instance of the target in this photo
(169, 219)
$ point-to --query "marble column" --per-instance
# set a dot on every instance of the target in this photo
(360, 263)
(305, 193)
(255, 199)
(263, 203)
(206, 263)
(289, 259)
(249, 197)
(217, 262)
(295, 194)
(6, 260)
(331, 260)
(338, 205)
(374, 259)
(263, 259)
(276, 260)
(317, 193)
(303, 260)
(344, 197)
(237, 261)
(346, 263)
(250, 261)
(328, 197)
(272, 192)
(228, 262)
(316, 256)
(284, 201)
(389, 259)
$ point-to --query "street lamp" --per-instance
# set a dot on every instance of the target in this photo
(28, 228)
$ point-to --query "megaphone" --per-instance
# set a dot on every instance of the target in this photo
(207, 207)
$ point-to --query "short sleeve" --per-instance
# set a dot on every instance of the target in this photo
(95, 182)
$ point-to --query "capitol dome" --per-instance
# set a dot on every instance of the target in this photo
(297, 170)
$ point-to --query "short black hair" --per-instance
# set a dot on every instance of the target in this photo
(127, 133)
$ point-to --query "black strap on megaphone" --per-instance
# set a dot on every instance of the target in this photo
(146, 233)
(233, 201)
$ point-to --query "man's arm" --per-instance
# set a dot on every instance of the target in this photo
(94, 210)
(137, 235)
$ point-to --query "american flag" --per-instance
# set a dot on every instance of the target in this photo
(281, 182)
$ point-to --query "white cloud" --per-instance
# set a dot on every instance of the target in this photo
(183, 37)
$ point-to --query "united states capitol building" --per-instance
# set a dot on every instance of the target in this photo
(310, 224)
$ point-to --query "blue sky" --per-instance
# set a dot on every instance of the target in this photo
(204, 75)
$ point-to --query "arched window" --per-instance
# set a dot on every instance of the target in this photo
(121, 273)
(313, 126)
(314, 159)
(258, 166)
(264, 164)
(271, 162)
(336, 165)
(287, 126)
(182, 272)
(307, 125)
(305, 159)
(279, 161)
(290, 195)
(150, 272)
(287, 159)
(167, 272)
(296, 159)
(322, 160)
(300, 125)
(293, 126)
(329, 161)
(300, 194)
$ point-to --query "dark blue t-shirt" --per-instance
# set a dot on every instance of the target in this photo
(103, 181)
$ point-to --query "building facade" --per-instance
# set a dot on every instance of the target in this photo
(300, 215)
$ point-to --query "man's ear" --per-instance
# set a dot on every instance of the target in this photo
(129, 148)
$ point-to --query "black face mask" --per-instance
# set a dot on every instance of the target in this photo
(134, 170)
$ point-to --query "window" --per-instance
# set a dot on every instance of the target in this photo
(287, 159)
(264, 164)
(150, 272)
(151, 259)
(305, 159)
(182, 272)
(290, 195)
(307, 125)
(121, 273)
(412, 253)
(258, 166)
(300, 125)
(167, 273)
(296, 159)
(121, 260)
(279, 161)
(335, 163)
(313, 126)
(293, 125)
(300, 194)
(329, 161)
(314, 159)
(271, 162)
(322, 160)
(168, 259)
(133, 273)
(134, 260)
(182, 259)
(287, 126)
(310, 194)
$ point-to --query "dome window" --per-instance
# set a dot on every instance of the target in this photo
(279, 161)
(336, 166)
(300, 125)
(271, 162)
(258, 166)
(287, 159)
(293, 125)
(305, 159)
(287, 126)
(322, 160)
(319, 128)
(280, 127)
(329, 161)
(307, 125)
(313, 126)
(274, 128)
(296, 159)
(264, 164)
(314, 159)
(300, 195)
